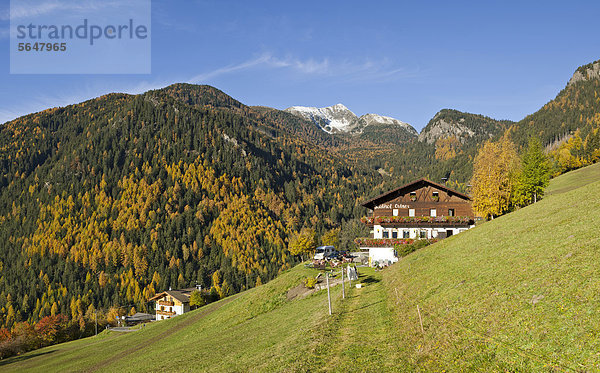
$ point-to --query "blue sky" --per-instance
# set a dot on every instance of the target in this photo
(408, 60)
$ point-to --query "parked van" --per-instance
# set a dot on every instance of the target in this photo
(323, 252)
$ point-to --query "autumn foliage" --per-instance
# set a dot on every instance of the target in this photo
(495, 172)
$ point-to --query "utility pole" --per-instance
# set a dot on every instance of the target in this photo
(96, 318)
(328, 295)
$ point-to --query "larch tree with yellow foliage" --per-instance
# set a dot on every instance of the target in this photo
(332, 237)
(495, 170)
(303, 242)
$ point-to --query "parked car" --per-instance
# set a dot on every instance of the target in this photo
(324, 252)
(334, 255)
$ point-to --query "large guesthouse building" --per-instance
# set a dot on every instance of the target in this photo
(418, 210)
(421, 209)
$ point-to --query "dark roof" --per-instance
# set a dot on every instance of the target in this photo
(409, 187)
(182, 295)
(140, 317)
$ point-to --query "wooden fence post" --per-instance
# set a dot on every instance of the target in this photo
(420, 320)
(328, 295)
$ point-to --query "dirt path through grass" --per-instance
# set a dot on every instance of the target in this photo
(360, 335)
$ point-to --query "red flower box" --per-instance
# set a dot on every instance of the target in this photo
(417, 219)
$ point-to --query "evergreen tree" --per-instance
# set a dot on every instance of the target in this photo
(534, 176)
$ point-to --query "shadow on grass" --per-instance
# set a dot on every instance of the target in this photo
(369, 280)
(16, 359)
(367, 305)
(349, 311)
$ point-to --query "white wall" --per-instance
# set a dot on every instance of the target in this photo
(178, 309)
(377, 231)
(414, 232)
(379, 254)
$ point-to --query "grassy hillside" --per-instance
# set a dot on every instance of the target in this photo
(257, 330)
(574, 179)
(517, 293)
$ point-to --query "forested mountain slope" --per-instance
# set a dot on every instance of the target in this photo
(518, 293)
(107, 202)
(569, 125)
(463, 127)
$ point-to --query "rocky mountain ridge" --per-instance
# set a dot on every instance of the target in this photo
(338, 119)
(586, 72)
(464, 126)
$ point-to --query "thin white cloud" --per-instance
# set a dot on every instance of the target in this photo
(376, 71)
(309, 66)
(261, 60)
(36, 8)
(39, 103)
(23, 11)
(26, 10)
(347, 70)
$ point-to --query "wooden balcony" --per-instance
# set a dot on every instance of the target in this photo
(419, 221)
(165, 303)
(166, 313)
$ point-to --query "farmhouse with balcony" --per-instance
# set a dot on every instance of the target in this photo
(172, 303)
(418, 210)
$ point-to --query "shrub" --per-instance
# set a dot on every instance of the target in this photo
(382, 242)
(197, 299)
(404, 250)
(310, 282)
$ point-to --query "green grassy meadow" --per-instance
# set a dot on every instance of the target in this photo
(574, 179)
(258, 330)
(520, 293)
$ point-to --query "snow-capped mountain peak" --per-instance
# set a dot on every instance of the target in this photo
(375, 119)
(331, 119)
(339, 119)
(339, 107)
